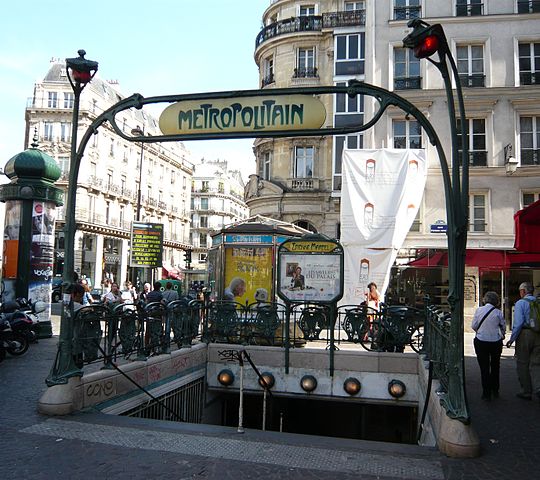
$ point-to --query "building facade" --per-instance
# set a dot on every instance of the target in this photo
(113, 171)
(496, 45)
(217, 200)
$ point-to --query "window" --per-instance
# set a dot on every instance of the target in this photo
(350, 54)
(94, 106)
(107, 213)
(477, 212)
(306, 10)
(303, 162)
(203, 222)
(468, 8)
(203, 240)
(268, 71)
(476, 135)
(48, 131)
(93, 168)
(305, 63)
(528, 198)
(405, 9)
(122, 216)
(265, 165)
(53, 100)
(406, 70)
(528, 6)
(530, 140)
(407, 134)
(205, 186)
(221, 187)
(529, 63)
(65, 131)
(111, 151)
(470, 65)
(351, 142)
(348, 110)
(352, 6)
(63, 163)
(204, 203)
(69, 98)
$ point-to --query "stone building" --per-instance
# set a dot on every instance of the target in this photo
(496, 45)
(108, 184)
(217, 194)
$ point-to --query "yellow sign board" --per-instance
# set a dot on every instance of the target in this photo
(243, 114)
(308, 246)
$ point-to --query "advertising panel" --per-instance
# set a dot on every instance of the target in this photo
(146, 245)
(12, 225)
(254, 266)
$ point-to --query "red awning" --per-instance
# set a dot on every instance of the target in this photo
(483, 259)
(171, 272)
(527, 227)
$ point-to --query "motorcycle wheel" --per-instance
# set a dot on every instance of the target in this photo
(18, 346)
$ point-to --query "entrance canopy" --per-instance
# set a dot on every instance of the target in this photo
(484, 259)
(527, 228)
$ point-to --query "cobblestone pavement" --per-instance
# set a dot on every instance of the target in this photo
(83, 445)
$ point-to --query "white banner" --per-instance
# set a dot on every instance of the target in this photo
(380, 197)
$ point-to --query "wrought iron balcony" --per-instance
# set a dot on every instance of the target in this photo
(303, 184)
(530, 156)
(407, 83)
(267, 80)
(405, 13)
(469, 10)
(311, 23)
(474, 80)
(309, 72)
(529, 78)
(528, 6)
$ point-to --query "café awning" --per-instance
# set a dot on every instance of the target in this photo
(483, 259)
(527, 228)
(171, 272)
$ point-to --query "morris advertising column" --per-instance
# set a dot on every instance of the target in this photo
(31, 200)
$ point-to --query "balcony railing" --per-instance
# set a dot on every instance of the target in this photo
(405, 13)
(529, 78)
(305, 72)
(530, 157)
(267, 80)
(312, 23)
(303, 184)
(409, 83)
(528, 6)
(469, 10)
(474, 80)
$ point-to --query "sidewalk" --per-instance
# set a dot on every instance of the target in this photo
(82, 445)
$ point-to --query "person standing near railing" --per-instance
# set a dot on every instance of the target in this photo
(489, 324)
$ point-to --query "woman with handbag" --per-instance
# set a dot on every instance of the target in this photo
(489, 325)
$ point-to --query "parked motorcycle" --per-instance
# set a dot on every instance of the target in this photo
(20, 308)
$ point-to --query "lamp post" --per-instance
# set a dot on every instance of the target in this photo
(138, 132)
(425, 40)
(80, 72)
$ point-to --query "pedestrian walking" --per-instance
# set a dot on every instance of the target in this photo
(489, 324)
(527, 344)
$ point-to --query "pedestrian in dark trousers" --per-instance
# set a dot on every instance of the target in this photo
(527, 344)
(489, 325)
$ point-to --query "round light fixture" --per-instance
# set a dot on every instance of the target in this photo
(267, 380)
(308, 383)
(225, 377)
(396, 388)
(352, 386)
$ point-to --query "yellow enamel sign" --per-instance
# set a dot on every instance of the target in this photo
(243, 114)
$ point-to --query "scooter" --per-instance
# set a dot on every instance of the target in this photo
(23, 309)
(14, 334)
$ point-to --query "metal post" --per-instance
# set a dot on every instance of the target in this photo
(241, 399)
(80, 72)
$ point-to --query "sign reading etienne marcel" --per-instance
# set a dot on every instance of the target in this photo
(243, 114)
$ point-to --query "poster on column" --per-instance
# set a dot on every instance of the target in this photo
(42, 254)
(253, 264)
(12, 225)
(380, 197)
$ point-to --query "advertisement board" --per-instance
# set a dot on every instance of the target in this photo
(146, 244)
(310, 270)
(253, 265)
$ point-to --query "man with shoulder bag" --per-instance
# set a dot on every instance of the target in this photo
(527, 338)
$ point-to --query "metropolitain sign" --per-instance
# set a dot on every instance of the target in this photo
(243, 114)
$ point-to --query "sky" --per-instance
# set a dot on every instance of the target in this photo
(161, 47)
